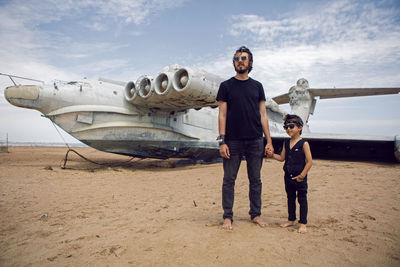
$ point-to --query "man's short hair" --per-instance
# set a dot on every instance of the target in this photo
(245, 49)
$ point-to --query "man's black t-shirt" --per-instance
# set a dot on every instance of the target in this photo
(243, 119)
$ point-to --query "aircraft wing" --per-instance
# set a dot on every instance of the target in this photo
(348, 147)
(351, 92)
(325, 93)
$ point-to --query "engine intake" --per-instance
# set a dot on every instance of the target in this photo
(176, 89)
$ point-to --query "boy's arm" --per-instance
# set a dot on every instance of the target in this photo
(280, 157)
(307, 152)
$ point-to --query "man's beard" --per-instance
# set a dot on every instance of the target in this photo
(241, 71)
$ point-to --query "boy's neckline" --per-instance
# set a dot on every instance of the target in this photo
(297, 140)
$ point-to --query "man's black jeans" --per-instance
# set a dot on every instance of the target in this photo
(253, 151)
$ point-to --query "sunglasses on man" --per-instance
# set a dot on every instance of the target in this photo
(243, 58)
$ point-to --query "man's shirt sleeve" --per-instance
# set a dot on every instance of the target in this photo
(261, 93)
(222, 93)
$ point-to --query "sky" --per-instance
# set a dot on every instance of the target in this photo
(342, 44)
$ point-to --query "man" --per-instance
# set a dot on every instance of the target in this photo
(242, 120)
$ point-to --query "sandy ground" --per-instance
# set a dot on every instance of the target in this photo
(151, 212)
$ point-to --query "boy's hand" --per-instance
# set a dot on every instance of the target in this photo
(298, 178)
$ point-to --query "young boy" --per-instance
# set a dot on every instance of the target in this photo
(298, 160)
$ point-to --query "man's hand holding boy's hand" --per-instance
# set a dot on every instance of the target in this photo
(269, 150)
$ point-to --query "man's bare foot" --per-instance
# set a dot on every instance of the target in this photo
(227, 224)
(260, 222)
(287, 224)
(302, 229)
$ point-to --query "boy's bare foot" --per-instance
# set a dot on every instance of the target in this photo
(227, 224)
(287, 224)
(302, 229)
(260, 222)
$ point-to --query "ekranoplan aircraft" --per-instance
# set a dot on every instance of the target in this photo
(175, 115)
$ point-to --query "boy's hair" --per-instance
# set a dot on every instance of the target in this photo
(292, 118)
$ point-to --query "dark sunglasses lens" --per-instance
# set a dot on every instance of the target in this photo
(243, 58)
(291, 126)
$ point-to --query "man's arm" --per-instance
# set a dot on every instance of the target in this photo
(269, 149)
(223, 108)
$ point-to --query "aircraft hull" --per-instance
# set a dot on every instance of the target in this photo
(196, 150)
(159, 136)
(381, 151)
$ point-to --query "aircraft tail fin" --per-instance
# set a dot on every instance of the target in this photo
(282, 99)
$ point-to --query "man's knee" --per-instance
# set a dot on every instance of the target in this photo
(255, 183)
(228, 182)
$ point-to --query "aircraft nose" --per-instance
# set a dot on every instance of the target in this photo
(22, 95)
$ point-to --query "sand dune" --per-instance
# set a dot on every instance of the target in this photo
(153, 212)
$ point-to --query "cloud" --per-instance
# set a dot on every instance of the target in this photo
(38, 12)
(32, 26)
(133, 11)
(334, 21)
(37, 42)
(337, 43)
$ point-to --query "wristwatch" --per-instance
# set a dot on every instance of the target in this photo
(221, 139)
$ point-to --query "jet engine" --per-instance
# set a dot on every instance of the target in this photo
(141, 93)
(174, 89)
(196, 85)
(130, 92)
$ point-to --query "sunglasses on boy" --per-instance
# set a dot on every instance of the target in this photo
(291, 126)
(243, 58)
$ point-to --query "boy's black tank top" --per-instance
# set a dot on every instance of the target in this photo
(295, 159)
